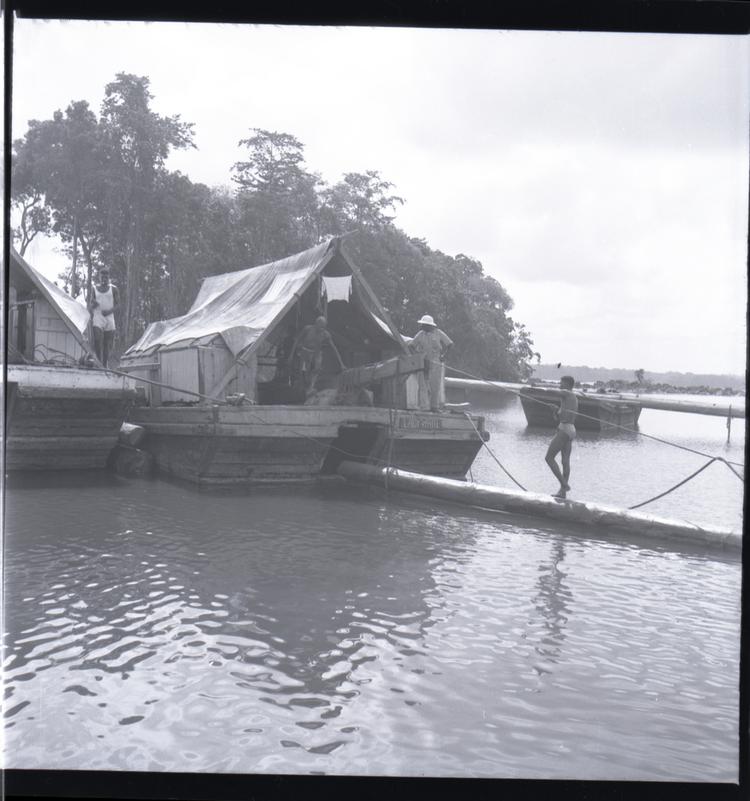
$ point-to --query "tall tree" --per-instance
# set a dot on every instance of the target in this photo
(277, 196)
(137, 142)
(359, 200)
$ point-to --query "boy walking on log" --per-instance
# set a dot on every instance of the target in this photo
(562, 442)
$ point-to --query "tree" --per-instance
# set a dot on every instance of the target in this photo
(639, 374)
(137, 142)
(359, 200)
(101, 185)
(55, 171)
(277, 196)
(28, 183)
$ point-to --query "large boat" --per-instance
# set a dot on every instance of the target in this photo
(61, 412)
(225, 405)
(595, 413)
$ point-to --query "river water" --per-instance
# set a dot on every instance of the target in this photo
(334, 629)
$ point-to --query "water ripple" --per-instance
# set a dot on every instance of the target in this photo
(268, 632)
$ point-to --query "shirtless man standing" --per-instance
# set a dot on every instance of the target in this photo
(562, 442)
(309, 350)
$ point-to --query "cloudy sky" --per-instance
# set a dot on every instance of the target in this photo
(601, 178)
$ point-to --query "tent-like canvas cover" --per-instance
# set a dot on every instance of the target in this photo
(242, 306)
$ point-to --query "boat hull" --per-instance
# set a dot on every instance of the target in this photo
(225, 445)
(595, 414)
(61, 418)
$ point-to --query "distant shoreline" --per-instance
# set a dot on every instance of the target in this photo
(602, 387)
(614, 379)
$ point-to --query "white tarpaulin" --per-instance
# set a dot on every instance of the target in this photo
(240, 306)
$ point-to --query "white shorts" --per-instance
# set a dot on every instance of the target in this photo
(568, 429)
(105, 322)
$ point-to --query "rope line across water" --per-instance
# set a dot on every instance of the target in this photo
(387, 463)
(591, 417)
(504, 469)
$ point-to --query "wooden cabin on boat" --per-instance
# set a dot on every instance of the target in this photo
(226, 404)
(60, 414)
(237, 337)
(44, 323)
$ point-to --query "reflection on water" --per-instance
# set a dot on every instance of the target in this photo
(551, 602)
(337, 629)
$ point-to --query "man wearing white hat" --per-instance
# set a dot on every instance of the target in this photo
(434, 344)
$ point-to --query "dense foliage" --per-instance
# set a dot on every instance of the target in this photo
(101, 185)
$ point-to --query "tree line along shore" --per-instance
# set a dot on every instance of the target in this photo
(617, 379)
(99, 183)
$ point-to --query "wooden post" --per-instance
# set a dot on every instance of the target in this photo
(729, 423)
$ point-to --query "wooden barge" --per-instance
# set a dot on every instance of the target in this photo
(595, 413)
(229, 445)
(58, 414)
(225, 405)
(62, 418)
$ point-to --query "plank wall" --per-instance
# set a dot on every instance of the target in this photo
(51, 336)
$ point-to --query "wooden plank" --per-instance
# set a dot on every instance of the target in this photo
(368, 373)
(221, 384)
(179, 368)
(74, 395)
(244, 431)
(51, 443)
(144, 366)
(144, 416)
(213, 362)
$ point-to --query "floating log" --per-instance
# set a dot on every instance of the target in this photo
(538, 505)
(714, 409)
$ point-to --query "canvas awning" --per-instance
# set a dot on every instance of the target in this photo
(241, 306)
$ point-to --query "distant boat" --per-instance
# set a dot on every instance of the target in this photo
(595, 412)
(59, 414)
(225, 408)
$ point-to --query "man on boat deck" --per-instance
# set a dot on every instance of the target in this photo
(434, 344)
(562, 442)
(103, 300)
(309, 344)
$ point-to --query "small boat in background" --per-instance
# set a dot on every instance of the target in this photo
(594, 413)
(59, 413)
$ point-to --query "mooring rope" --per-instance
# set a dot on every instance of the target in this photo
(679, 484)
(504, 469)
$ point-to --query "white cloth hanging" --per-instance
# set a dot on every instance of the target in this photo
(338, 287)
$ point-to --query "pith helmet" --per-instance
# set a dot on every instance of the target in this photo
(426, 320)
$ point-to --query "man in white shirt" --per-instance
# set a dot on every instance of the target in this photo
(103, 301)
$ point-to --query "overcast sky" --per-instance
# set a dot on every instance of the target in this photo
(601, 178)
